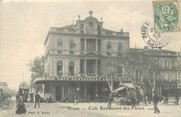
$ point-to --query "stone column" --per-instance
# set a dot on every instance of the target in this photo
(85, 46)
(96, 44)
(62, 93)
(96, 68)
(85, 89)
(85, 67)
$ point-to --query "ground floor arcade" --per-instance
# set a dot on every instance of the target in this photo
(86, 91)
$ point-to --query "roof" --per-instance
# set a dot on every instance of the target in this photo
(107, 30)
(9, 92)
(153, 51)
(66, 27)
(3, 84)
(73, 27)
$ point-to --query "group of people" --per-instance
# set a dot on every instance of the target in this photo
(110, 99)
(133, 101)
(20, 103)
(21, 106)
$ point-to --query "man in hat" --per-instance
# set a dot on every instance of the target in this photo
(155, 102)
(37, 99)
(110, 99)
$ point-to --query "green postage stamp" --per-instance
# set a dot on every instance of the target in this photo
(166, 15)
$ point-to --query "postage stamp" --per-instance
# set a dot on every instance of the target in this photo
(166, 16)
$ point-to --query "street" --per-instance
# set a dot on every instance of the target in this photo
(92, 110)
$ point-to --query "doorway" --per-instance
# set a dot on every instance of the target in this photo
(91, 91)
(58, 93)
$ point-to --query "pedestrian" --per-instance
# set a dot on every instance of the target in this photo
(17, 99)
(177, 99)
(146, 100)
(37, 100)
(110, 98)
(166, 99)
(20, 104)
(133, 102)
(155, 102)
(75, 100)
(31, 97)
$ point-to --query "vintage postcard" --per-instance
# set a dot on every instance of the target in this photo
(91, 58)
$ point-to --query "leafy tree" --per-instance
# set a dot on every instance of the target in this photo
(110, 72)
(145, 63)
(37, 70)
(141, 61)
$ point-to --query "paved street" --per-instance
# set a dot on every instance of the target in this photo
(92, 110)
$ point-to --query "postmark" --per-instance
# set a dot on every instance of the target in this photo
(166, 16)
(151, 37)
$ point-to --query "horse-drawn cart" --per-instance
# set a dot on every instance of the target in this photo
(5, 100)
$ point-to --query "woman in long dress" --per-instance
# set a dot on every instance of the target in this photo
(20, 105)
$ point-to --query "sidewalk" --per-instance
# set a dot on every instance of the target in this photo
(93, 110)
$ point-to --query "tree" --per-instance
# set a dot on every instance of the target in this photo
(37, 70)
(142, 62)
(110, 71)
(147, 64)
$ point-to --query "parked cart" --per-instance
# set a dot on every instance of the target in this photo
(5, 101)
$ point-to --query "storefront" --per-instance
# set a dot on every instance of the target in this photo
(65, 90)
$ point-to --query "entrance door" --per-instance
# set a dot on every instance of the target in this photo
(58, 93)
(91, 91)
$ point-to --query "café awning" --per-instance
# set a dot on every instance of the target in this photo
(129, 85)
(119, 89)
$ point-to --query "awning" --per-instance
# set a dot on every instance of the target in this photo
(129, 85)
(9, 92)
(119, 89)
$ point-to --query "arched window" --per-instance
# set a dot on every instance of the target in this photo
(59, 46)
(72, 45)
(108, 48)
(59, 68)
(71, 68)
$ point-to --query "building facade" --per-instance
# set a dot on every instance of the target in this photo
(162, 69)
(81, 59)
(76, 57)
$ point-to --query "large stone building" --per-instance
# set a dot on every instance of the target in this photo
(79, 60)
(75, 59)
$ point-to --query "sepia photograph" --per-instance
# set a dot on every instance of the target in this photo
(90, 58)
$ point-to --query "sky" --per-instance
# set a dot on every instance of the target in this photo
(24, 27)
